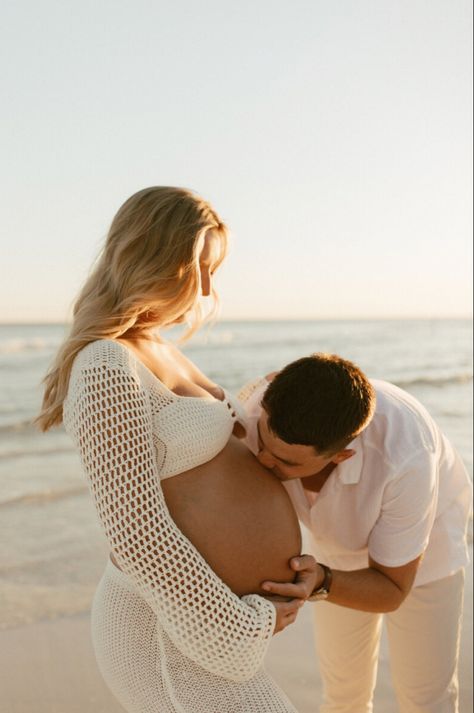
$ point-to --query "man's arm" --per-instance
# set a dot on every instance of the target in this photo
(374, 589)
(400, 534)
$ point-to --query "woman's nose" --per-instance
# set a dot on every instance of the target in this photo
(205, 283)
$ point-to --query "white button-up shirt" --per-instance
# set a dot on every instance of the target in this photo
(404, 492)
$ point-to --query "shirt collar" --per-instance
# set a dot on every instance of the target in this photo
(350, 470)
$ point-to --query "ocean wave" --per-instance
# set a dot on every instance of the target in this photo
(435, 381)
(251, 341)
(43, 496)
(22, 425)
(25, 426)
(209, 337)
(36, 452)
(28, 344)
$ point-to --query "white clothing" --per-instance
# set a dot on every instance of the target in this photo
(404, 492)
(423, 657)
(167, 618)
(148, 674)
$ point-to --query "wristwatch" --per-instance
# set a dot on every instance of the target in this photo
(323, 591)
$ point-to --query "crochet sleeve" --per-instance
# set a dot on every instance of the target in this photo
(109, 415)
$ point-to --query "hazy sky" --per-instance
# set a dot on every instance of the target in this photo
(333, 137)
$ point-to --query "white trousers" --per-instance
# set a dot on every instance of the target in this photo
(423, 635)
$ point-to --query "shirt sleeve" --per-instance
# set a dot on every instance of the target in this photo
(409, 504)
(250, 396)
(257, 385)
(112, 425)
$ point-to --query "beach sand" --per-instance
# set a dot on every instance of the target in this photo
(49, 667)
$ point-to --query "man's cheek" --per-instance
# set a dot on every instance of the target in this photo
(284, 473)
(277, 471)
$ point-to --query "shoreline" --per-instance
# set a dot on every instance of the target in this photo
(49, 667)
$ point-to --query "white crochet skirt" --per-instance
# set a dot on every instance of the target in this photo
(148, 674)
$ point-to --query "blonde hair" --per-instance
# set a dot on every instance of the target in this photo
(146, 276)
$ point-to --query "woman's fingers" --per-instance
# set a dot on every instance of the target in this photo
(286, 613)
(292, 607)
(290, 619)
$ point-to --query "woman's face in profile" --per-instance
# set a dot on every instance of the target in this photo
(208, 257)
(209, 252)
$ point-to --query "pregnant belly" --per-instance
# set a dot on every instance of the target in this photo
(239, 516)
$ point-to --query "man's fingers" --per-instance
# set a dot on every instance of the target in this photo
(303, 562)
(292, 591)
(298, 590)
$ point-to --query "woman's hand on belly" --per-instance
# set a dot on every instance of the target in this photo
(286, 613)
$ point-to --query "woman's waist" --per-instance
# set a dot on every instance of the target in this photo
(114, 572)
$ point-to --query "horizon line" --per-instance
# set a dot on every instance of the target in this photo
(346, 318)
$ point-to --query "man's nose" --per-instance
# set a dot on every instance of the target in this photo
(265, 458)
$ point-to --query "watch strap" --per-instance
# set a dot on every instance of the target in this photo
(322, 592)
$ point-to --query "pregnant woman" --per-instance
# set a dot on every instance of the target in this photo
(177, 621)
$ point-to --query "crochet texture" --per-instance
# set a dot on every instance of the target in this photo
(166, 622)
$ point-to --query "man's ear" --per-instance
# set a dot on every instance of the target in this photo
(343, 455)
(271, 376)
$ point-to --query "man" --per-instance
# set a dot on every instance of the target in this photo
(386, 500)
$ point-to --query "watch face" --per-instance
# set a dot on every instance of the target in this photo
(320, 595)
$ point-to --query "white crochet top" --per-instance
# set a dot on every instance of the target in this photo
(131, 431)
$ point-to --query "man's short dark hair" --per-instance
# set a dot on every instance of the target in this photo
(321, 400)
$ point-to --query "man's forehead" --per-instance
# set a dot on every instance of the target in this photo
(298, 454)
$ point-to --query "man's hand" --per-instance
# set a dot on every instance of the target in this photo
(375, 589)
(310, 576)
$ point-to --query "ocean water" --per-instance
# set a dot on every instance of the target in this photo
(51, 549)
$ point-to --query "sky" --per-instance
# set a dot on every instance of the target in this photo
(334, 138)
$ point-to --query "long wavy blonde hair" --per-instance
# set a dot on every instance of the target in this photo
(146, 276)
